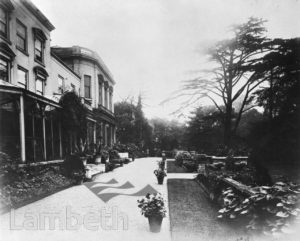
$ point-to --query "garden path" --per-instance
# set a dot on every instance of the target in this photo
(112, 194)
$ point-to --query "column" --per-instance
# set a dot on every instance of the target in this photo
(103, 95)
(105, 135)
(22, 129)
(112, 135)
(52, 136)
(60, 142)
(33, 137)
(112, 102)
(44, 134)
(94, 132)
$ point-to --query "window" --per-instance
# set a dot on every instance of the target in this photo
(40, 79)
(4, 70)
(3, 23)
(38, 50)
(87, 86)
(21, 37)
(61, 84)
(22, 77)
(100, 84)
(39, 85)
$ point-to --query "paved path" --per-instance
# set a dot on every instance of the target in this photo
(97, 204)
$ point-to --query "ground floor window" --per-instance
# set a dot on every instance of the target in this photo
(4, 70)
(22, 76)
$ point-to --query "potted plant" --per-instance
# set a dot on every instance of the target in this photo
(161, 164)
(81, 151)
(153, 207)
(160, 174)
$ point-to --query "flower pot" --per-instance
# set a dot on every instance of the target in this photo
(98, 160)
(84, 160)
(160, 180)
(155, 223)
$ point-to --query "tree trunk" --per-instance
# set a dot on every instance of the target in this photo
(228, 126)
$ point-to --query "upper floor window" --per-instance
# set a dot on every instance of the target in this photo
(21, 37)
(22, 76)
(39, 85)
(3, 23)
(4, 70)
(61, 84)
(87, 86)
(40, 80)
(38, 50)
(39, 44)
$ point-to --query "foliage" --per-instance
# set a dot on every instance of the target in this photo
(113, 154)
(231, 78)
(133, 127)
(7, 165)
(190, 165)
(168, 135)
(73, 167)
(161, 164)
(271, 209)
(181, 156)
(152, 205)
(160, 173)
(276, 138)
(73, 114)
(81, 149)
(23, 184)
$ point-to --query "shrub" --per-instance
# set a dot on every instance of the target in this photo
(181, 156)
(73, 167)
(190, 166)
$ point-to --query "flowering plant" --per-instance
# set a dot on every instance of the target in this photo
(160, 173)
(152, 205)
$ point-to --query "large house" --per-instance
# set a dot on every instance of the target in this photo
(33, 77)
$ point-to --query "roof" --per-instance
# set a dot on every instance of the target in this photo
(38, 14)
(85, 53)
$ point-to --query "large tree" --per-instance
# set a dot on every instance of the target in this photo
(231, 78)
(132, 126)
(278, 137)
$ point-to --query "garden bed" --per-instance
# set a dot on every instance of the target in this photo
(193, 216)
(262, 208)
(26, 185)
(173, 168)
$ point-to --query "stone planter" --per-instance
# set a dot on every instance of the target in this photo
(155, 223)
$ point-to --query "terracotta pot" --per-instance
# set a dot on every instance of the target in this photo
(160, 180)
(155, 223)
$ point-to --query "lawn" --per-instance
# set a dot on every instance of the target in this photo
(172, 168)
(193, 216)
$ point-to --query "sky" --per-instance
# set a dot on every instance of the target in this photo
(151, 46)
